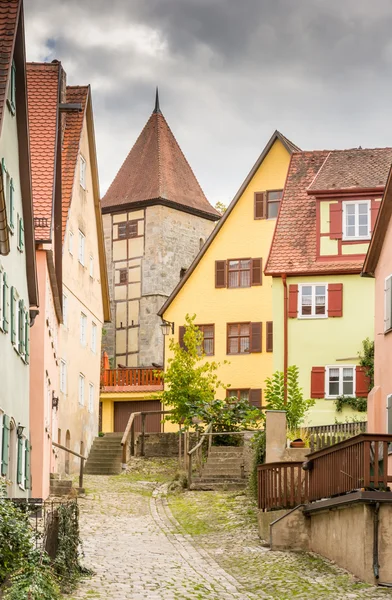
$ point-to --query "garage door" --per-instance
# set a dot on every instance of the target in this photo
(123, 410)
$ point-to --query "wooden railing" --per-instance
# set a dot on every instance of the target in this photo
(359, 462)
(128, 439)
(130, 377)
(282, 485)
(337, 428)
(196, 452)
(82, 459)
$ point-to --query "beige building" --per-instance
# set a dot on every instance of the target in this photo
(156, 218)
(85, 290)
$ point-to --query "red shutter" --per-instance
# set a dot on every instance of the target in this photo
(293, 301)
(255, 398)
(362, 383)
(335, 299)
(220, 273)
(317, 382)
(255, 337)
(259, 205)
(335, 221)
(257, 271)
(269, 336)
(373, 214)
(181, 333)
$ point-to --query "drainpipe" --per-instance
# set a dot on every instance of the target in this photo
(376, 566)
(285, 334)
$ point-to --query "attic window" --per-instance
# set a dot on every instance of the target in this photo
(273, 201)
(127, 229)
(11, 100)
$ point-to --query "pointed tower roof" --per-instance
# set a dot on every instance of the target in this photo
(157, 172)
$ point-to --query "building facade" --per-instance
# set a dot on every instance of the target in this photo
(225, 286)
(323, 309)
(18, 281)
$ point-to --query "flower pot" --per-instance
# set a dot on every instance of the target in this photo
(297, 444)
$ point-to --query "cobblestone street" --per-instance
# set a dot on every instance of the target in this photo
(142, 544)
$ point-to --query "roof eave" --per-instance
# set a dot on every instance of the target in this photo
(118, 208)
(357, 191)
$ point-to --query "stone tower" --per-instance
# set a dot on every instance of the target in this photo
(156, 218)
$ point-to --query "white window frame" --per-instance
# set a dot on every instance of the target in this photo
(82, 172)
(63, 376)
(70, 242)
(91, 398)
(91, 266)
(22, 485)
(81, 247)
(94, 330)
(340, 367)
(82, 383)
(388, 304)
(313, 313)
(65, 310)
(356, 237)
(83, 329)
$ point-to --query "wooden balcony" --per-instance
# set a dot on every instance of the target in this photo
(132, 379)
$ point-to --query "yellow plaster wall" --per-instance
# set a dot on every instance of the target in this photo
(328, 246)
(355, 248)
(321, 342)
(240, 236)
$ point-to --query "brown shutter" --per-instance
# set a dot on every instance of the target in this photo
(255, 398)
(270, 336)
(255, 337)
(317, 382)
(260, 205)
(181, 333)
(373, 214)
(257, 271)
(335, 221)
(220, 273)
(293, 301)
(335, 299)
(362, 383)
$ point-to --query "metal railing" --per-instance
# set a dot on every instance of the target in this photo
(82, 459)
(282, 485)
(131, 377)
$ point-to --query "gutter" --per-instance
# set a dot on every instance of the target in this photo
(285, 334)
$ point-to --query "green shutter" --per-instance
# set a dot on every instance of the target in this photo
(21, 327)
(5, 445)
(20, 461)
(6, 303)
(27, 465)
(13, 315)
(21, 234)
(12, 204)
(27, 337)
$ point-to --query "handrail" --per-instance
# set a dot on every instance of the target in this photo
(192, 450)
(282, 485)
(130, 429)
(361, 437)
(82, 459)
(131, 376)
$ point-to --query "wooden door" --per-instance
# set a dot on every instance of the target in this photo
(123, 410)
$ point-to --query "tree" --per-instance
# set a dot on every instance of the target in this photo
(220, 207)
(296, 406)
(366, 360)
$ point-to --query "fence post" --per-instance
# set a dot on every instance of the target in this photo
(179, 446)
(143, 433)
(133, 438)
(81, 473)
(189, 470)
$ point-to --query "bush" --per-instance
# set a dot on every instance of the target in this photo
(258, 446)
(296, 406)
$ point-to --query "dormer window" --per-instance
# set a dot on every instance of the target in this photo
(356, 220)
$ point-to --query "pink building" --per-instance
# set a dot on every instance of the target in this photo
(378, 264)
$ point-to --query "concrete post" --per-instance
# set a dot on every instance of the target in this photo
(276, 435)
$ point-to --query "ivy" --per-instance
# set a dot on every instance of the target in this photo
(358, 404)
(259, 446)
(366, 360)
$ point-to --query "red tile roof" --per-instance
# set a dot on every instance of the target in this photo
(71, 143)
(9, 13)
(294, 245)
(42, 89)
(156, 169)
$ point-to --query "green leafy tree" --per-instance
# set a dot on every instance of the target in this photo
(230, 415)
(220, 207)
(366, 360)
(296, 406)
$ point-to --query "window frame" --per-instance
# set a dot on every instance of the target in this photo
(81, 248)
(11, 97)
(387, 329)
(355, 238)
(313, 314)
(268, 202)
(82, 172)
(128, 226)
(238, 390)
(201, 327)
(239, 270)
(91, 400)
(81, 386)
(70, 242)
(239, 338)
(340, 367)
(83, 329)
(21, 444)
(91, 266)
(94, 331)
(65, 310)
(63, 376)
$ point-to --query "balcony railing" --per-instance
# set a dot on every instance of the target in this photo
(360, 462)
(131, 377)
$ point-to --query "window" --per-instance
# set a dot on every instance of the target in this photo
(83, 329)
(82, 172)
(239, 273)
(238, 394)
(91, 266)
(21, 473)
(81, 389)
(273, 202)
(208, 338)
(70, 242)
(8, 185)
(238, 338)
(388, 304)
(63, 376)
(11, 100)
(356, 220)
(93, 337)
(82, 240)
(127, 229)
(123, 276)
(14, 297)
(340, 381)
(313, 301)
(270, 336)
(5, 303)
(20, 234)
(65, 310)
(91, 397)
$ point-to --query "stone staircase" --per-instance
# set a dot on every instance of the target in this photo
(224, 469)
(60, 487)
(105, 455)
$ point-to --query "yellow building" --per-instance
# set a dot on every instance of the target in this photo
(225, 286)
(322, 308)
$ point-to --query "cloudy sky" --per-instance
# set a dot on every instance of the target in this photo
(229, 73)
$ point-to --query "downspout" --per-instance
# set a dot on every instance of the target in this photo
(285, 334)
(376, 566)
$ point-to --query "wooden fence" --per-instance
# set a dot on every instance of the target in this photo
(282, 485)
(323, 436)
(130, 377)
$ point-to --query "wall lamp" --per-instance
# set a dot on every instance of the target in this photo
(167, 327)
(19, 431)
(55, 401)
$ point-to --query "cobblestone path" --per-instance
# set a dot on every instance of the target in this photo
(142, 545)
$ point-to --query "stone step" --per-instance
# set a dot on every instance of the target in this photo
(232, 449)
(210, 486)
(105, 452)
(61, 483)
(102, 471)
(223, 455)
(106, 445)
(232, 462)
(115, 435)
(105, 465)
(220, 476)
